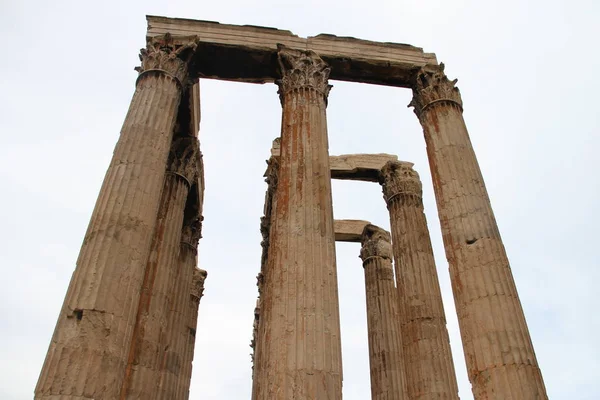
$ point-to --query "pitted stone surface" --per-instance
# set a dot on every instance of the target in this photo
(375, 242)
(299, 331)
(498, 351)
(427, 356)
(163, 54)
(89, 352)
(388, 376)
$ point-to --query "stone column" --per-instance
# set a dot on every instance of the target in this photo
(427, 357)
(299, 322)
(499, 354)
(265, 229)
(144, 368)
(88, 354)
(253, 341)
(196, 293)
(172, 377)
(267, 220)
(388, 381)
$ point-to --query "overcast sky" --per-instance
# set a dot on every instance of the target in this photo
(528, 73)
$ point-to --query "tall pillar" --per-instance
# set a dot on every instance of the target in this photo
(265, 229)
(88, 353)
(499, 354)
(196, 293)
(171, 385)
(255, 324)
(144, 367)
(427, 357)
(388, 381)
(299, 322)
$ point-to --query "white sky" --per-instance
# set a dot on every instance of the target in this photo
(528, 73)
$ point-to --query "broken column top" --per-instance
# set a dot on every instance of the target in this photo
(376, 242)
(400, 179)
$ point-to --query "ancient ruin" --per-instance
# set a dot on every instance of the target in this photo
(128, 323)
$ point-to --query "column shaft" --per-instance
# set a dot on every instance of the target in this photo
(428, 360)
(144, 368)
(88, 353)
(499, 354)
(173, 356)
(388, 381)
(265, 229)
(196, 293)
(299, 325)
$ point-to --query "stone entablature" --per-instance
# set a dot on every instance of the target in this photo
(255, 48)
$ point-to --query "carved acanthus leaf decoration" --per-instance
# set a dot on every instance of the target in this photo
(184, 159)
(302, 69)
(432, 86)
(198, 278)
(192, 232)
(376, 242)
(272, 173)
(271, 177)
(162, 53)
(276, 147)
(399, 179)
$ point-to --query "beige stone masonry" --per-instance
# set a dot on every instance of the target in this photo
(499, 354)
(255, 48)
(299, 316)
(144, 369)
(128, 323)
(196, 293)
(349, 230)
(88, 354)
(388, 381)
(356, 167)
(174, 359)
(359, 167)
(266, 221)
(254, 337)
(143, 372)
(427, 356)
(345, 230)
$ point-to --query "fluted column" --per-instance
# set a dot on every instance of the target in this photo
(144, 368)
(299, 325)
(196, 293)
(171, 385)
(265, 229)
(388, 381)
(253, 356)
(88, 353)
(499, 354)
(427, 357)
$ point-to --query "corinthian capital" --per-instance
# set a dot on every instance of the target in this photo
(272, 174)
(376, 242)
(198, 278)
(302, 69)
(433, 86)
(399, 180)
(163, 54)
(192, 232)
(184, 159)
